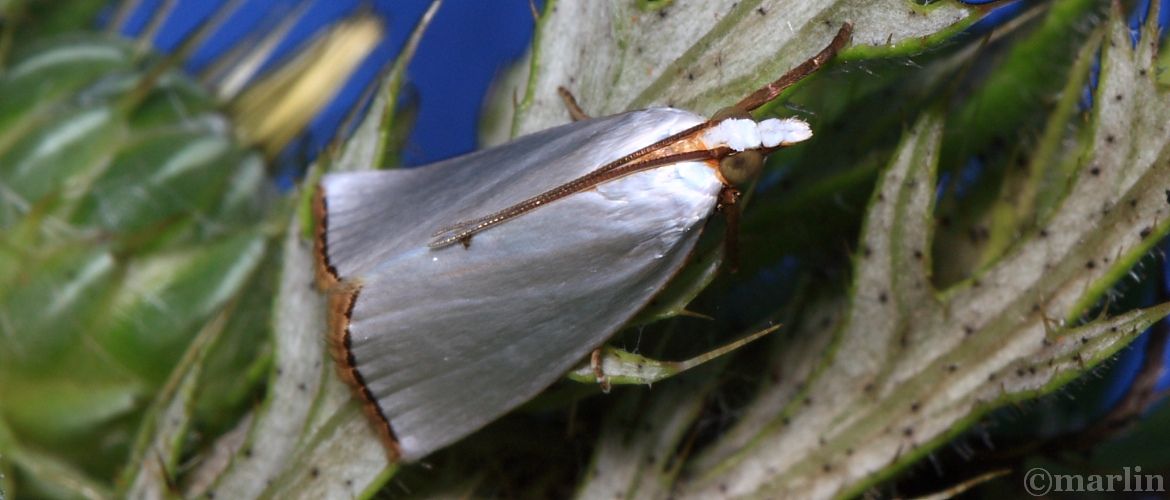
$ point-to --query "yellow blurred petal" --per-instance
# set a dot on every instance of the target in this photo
(276, 109)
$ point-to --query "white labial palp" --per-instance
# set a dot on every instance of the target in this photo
(741, 134)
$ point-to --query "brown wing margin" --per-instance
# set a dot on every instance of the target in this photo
(342, 298)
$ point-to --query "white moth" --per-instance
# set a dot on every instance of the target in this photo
(575, 229)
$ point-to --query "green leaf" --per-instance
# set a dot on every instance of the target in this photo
(124, 230)
(309, 437)
(614, 56)
(154, 460)
(911, 365)
(621, 367)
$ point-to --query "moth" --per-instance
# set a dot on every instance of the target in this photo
(462, 289)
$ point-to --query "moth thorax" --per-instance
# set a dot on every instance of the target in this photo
(730, 112)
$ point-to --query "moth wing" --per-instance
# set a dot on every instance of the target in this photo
(448, 340)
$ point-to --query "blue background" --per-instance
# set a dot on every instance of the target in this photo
(466, 46)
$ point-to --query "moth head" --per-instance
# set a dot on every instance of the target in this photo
(742, 167)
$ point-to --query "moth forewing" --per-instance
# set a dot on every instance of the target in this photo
(575, 229)
(445, 340)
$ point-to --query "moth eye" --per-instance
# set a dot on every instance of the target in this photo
(742, 167)
(730, 112)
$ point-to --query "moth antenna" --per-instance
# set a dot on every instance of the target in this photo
(772, 90)
(463, 231)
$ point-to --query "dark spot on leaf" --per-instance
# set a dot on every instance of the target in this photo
(1118, 97)
(909, 431)
(869, 387)
(314, 472)
(883, 298)
(968, 330)
(918, 255)
(1091, 265)
(991, 377)
(827, 468)
(915, 406)
(1095, 171)
(1146, 232)
(1020, 372)
(1110, 138)
(952, 368)
(723, 487)
(1043, 233)
(808, 400)
(761, 11)
(866, 251)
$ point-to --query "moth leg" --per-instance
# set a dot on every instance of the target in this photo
(729, 207)
(595, 363)
(575, 111)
